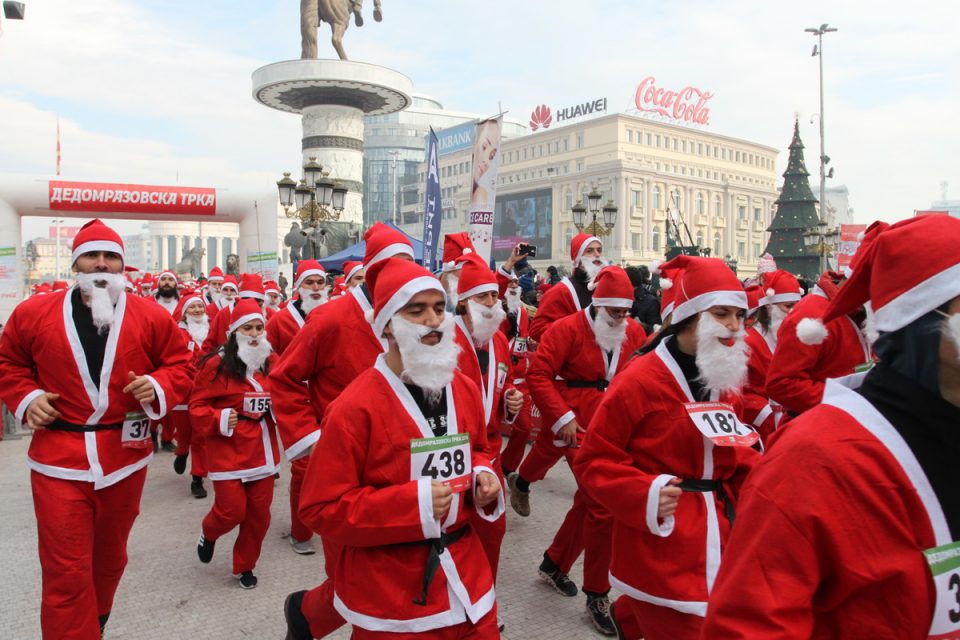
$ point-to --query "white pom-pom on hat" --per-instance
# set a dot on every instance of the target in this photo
(860, 236)
(812, 331)
(771, 292)
(655, 266)
(666, 283)
(467, 251)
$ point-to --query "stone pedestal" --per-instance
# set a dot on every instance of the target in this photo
(332, 97)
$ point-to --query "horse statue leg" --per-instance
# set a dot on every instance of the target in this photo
(357, 7)
(377, 11)
(337, 14)
(309, 23)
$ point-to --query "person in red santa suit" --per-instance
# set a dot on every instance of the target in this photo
(214, 280)
(575, 362)
(146, 284)
(353, 273)
(310, 285)
(781, 294)
(666, 453)
(860, 493)
(85, 369)
(485, 359)
(228, 293)
(573, 294)
(272, 291)
(401, 468)
(165, 291)
(231, 404)
(191, 317)
(251, 288)
(336, 346)
(454, 247)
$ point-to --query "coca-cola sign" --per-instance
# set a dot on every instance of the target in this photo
(687, 105)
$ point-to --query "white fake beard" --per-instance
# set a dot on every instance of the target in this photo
(102, 299)
(485, 321)
(951, 329)
(307, 300)
(722, 368)
(198, 327)
(609, 333)
(227, 299)
(512, 298)
(453, 298)
(593, 267)
(777, 316)
(253, 356)
(272, 305)
(429, 367)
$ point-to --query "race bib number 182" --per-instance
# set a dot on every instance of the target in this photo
(718, 422)
(445, 458)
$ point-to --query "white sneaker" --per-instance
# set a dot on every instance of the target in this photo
(304, 548)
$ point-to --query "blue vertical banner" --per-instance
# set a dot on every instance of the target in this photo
(433, 208)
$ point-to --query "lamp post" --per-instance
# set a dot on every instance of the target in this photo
(818, 51)
(393, 171)
(315, 199)
(822, 240)
(602, 219)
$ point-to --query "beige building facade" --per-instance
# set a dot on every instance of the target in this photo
(722, 189)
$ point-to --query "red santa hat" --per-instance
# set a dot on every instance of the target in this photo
(168, 272)
(96, 236)
(60, 285)
(543, 287)
(339, 287)
(229, 282)
(475, 276)
(130, 286)
(244, 311)
(579, 244)
(43, 289)
(393, 282)
(382, 242)
(185, 301)
(216, 275)
(251, 286)
(271, 287)
(146, 280)
(305, 269)
(667, 277)
(754, 295)
(766, 264)
(504, 280)
(612, 288)
(905, 272)
(456, 245)
(703, 283)
(780, 286)
(865, 237)
(350, 269)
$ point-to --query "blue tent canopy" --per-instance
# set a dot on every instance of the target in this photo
(335, 261)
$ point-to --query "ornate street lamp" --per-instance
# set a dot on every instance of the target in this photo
(602, 219)
(821, 241)
(316, 198)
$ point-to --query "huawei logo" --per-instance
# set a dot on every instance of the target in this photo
(541, 118)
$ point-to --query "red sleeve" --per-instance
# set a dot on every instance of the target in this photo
(295, 414)
(19, 386)
(206, 389)
(556, 304)
(218, 328)
(173, 362)
(551, 355)
(790, 379)
(274, 335)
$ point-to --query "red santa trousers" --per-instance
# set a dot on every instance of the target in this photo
(317, 606)
(512, 454)
(588, 529)
(485, 628)
(190, 440)
(653, 622)
(298, 469)
(246, 504)
(543, 456)
(82, 535)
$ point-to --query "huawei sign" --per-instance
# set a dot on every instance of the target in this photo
(541, 118)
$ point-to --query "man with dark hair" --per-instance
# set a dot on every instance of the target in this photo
(646, 305)
(574, 293)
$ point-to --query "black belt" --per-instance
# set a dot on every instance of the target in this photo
(588, 384)
(437, 547)
(716, 486)
(61, 425)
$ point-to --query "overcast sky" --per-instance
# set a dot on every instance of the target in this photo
(159, 90)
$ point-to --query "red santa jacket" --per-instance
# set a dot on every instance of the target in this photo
(497, 381)
(798, 371)
(214, 308)
(829, 535)
(569, 351)
(518, 344)
(763, 413)
(640, 437)
(363, 491)
(558, 302)
(283, 327)
(332, 349)
(41, 352)
(219, 328)
(248, 451)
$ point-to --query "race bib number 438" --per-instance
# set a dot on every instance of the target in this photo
(446, 458)
(718, 422)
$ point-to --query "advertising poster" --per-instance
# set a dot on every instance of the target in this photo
(432, 216)
(848, 244)
(265, 263)
(523, 217)
(486, 145)
(9, 279)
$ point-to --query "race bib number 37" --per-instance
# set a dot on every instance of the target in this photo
(718, 422)
(446, 458)
(136, 431)
(945, 566)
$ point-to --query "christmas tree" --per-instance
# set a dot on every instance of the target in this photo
(796, 214)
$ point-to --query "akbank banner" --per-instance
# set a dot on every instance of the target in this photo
(486, 147)
(432, 208)
(453, 139)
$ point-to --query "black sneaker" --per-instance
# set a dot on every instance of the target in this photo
(168, 446)
(598, 606)
(247, 580)
(103, 623)
(196, 488)
(556, 578)
(180, 465)
(297, 626)
(205, 549)
(618, 630)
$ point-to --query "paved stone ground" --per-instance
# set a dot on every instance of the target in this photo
(167, 593)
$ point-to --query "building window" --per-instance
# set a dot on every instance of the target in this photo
(655, 244)
(579, 165)
(699, 148)
(741, 249)
(580, 140)
(699, 203)
(630, 136)
(637, 195)
(648, 139)
(716, 245)
(656, 197)
(568, 200)
(699, 238)
(658, 141)
(635, 242)
(756, 249)
(742, 212)
(758, 214)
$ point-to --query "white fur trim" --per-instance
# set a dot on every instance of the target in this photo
(400, 298)
(368, 316)
(97, 245)
(612, 302)
(467, 251)
(922, 298)
(665, 283)
(352, 272)
(229, 285)
(300, 447)
(242, 320)
(256, 295)
(562, 421)
(812, 331)
(655, 266)
(389, 251)
(860, 236)
(777, 298)
(429, 525)
(583, 247)
(225, 428)
(306, 274)
(480, 288)
(653, 507)
(499, 510)
(704, 301)
(161, 401)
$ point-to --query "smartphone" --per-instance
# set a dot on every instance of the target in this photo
(527, 250)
